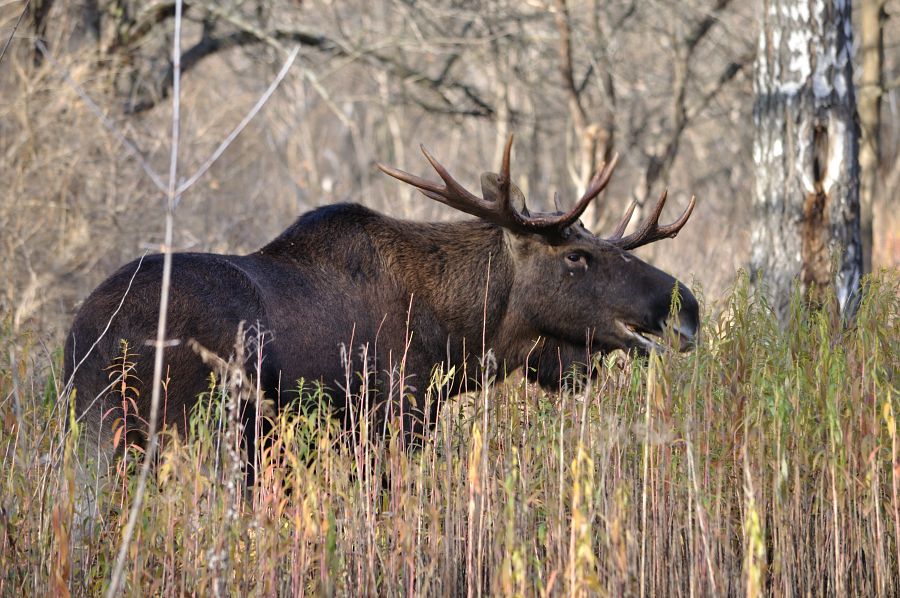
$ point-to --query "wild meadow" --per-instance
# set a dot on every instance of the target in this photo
(765, 462)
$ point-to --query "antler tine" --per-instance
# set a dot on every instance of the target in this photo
(623, 224)
(673, 229)
(497, 206)
(650, 230)
(499, 209)
(450, 193)
(452, 190)
(652, 220)
(424, 185)
(505, 177)
(598, 183)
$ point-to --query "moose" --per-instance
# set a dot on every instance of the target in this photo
(536, 289)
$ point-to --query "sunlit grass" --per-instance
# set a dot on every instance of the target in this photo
(766, 461)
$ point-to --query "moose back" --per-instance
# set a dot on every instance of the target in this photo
(536, 289)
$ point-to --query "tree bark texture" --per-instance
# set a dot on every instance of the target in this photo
(872, 16)
(806, 224)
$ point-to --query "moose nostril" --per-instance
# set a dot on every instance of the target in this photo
(685, 327)
(689, 314)
(683, 324)
(688, 326)
(686, 323)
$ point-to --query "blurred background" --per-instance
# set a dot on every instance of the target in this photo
(666, 85)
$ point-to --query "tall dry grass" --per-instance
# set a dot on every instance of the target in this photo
(766, 462)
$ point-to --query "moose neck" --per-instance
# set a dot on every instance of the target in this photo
(461, 271)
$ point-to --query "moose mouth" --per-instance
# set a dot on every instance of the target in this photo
(638, 337)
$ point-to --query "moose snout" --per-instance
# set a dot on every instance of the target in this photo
(686, 323)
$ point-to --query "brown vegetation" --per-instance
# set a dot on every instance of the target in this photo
(767, 461)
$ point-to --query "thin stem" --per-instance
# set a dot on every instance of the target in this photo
(15, 28)
(171, 202)
(105, 120)
(240, 127)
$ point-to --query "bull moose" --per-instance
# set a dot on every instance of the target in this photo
(536, 289)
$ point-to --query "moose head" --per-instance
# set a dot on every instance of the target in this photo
(572, 292)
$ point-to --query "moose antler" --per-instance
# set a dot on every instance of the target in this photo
(650, 231)
(496, 206)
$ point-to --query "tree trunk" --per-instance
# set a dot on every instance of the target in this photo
(806, 151)
(872, 17)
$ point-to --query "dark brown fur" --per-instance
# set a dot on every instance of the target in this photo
(343, 274)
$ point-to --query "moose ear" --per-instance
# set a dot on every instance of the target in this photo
(490, 190)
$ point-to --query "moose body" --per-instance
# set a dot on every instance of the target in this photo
(538, 291)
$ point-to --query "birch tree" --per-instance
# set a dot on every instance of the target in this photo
(872, 17)
(806, 152)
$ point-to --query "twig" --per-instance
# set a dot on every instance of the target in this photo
(173, 195)
(241, 126)
(12, 34)
(68, 383)
(110, 126)
(700, 512)
(248, 33)
(17, 403)
(171, 202)
(645, 482)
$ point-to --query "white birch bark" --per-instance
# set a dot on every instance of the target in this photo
(806, 153)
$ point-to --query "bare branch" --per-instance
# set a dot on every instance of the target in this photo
(660, 164)
(109, 124)
(171, 202)
(564, 50)
(247, 34)
(241, 126)
(15, 28)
